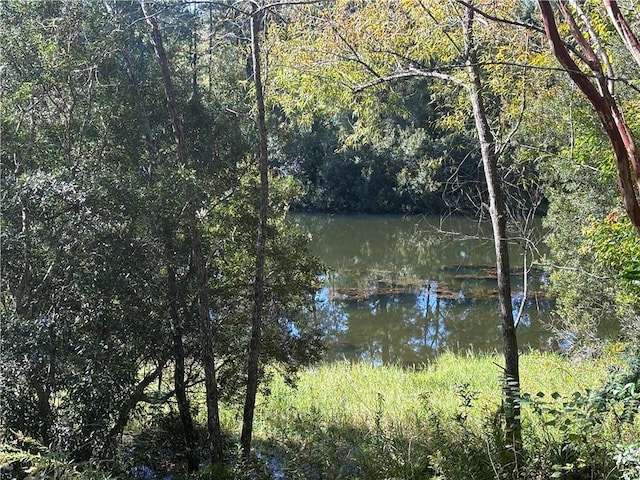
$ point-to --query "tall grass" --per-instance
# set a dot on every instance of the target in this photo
(359, 421)
(441, 420)
(354, 392)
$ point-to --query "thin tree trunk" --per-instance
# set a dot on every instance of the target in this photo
(198, 259)
(253, 364)
(126, 408)
(206, 335)
(177, 331)
(624, 29)
(190, 438)
(152, 150)
(497, 211)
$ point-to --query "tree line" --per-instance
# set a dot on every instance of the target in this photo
(130, 204)
(151, 151)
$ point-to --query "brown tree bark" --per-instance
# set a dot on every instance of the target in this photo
(498, 214)
(197, 255)
(253, 363)
(623, 28)
(601, 98)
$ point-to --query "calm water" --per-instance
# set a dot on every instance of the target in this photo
(399, 289)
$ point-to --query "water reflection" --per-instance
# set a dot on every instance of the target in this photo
(399, 290)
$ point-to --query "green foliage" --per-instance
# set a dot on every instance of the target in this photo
(290, 336)
(593, 249)
(590, 433)
(22, 457)
(397, 141)
(614, 245)
(397, 162)
(80, 319)
(438, 422)
(92, 222)
(628, 462)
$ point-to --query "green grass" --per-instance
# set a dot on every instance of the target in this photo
(359, 421)
(356, 420)
(353, 392)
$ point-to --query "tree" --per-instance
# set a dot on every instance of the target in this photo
(82, 337)
(372, 44)
(292, 347)
(253, 359)
(404, 160)
(498, 214)
(600, 63)
(167, 229)
(197, 255)
(597, 86)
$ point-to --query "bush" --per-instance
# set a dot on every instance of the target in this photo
(22, 457)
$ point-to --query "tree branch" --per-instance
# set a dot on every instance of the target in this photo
(355, 53)
(409, 73)
(605, 106)
(482, 13)
(623, 28)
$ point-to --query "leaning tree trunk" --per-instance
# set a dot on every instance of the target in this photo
(168, 228)
(253, 364)
(601, 96)
(197, 255)
(498, 213)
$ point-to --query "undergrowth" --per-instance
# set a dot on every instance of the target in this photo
(359, 421)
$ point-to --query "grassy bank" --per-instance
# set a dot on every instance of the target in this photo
(346, 420)
(358, 421)
(353, 392)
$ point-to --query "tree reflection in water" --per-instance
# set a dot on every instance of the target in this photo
(398, 291)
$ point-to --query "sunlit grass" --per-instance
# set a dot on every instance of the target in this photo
(357, 420)
(354, 393)
(439, 420)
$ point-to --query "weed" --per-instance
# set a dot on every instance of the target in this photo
(22, 457)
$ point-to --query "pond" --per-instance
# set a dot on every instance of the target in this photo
(404, 289)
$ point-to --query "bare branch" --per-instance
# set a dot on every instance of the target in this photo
(259, 8)
(482, 13)
(410, 73)
(352, 49)
(451, 40)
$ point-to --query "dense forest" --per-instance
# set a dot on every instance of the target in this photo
(157, 305)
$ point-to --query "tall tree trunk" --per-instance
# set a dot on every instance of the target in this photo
(189, 432)
(498, 213)
(198, 258)
(253, 363)
(179, 383)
